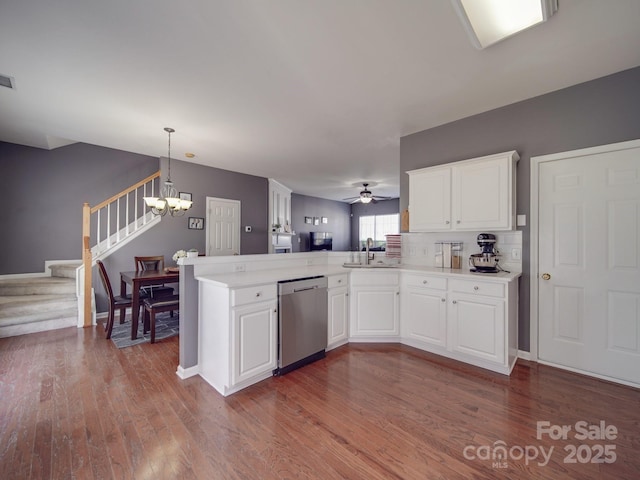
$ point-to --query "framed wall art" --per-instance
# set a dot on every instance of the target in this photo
(196, 223)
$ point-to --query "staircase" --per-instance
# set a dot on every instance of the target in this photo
(34, 304)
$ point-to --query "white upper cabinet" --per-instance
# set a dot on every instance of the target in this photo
(476, 194)
(430, 199)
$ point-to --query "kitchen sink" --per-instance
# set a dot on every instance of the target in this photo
(371, 265)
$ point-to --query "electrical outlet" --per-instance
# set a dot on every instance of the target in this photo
(239, 267)
(516, 254)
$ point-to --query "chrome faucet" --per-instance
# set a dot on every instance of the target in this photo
(369, 245)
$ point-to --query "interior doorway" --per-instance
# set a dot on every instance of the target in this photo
(585, 262)
(223, 226)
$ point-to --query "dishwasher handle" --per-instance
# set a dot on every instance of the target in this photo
(296, 290)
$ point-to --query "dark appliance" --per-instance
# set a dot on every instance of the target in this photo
(487, 260)
(320, 241)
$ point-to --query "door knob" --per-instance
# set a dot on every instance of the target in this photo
(546, 276)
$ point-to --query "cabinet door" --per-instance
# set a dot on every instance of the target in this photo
(424, 316)
(374, 311)
(477, 326)
(430, 200)
(254, 340)
(481, 193)
(338, 332)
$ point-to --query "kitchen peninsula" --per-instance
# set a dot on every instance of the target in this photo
(228, 328)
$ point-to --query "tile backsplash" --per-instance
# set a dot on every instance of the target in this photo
(420, 248)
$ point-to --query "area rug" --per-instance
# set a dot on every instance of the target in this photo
(166, 326)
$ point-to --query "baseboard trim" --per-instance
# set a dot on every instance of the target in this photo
(525, 355)
(189, 372)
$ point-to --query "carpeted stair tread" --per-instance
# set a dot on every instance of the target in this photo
(66, 270)
(19, 305)
(37, 286)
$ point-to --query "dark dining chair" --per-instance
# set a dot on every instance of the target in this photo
(115, 302)
(155, 262)
(152, 306)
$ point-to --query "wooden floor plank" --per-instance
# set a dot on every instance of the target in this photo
(74, 406)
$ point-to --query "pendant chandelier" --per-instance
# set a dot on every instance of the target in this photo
(168, 201)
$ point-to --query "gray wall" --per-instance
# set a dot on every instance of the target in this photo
(56, 183)
(173, 234)
(358, 210)
(602, 111)
(43, 192)
(337, 213)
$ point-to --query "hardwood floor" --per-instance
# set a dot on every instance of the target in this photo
(74, 406)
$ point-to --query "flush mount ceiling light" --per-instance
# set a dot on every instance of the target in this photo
(168, 201)
(490, 21)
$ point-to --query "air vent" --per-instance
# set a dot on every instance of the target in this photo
(6, 81)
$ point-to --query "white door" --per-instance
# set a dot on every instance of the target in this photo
(223, 226)
(589, 261)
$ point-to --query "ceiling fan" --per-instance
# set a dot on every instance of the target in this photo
(365, 196)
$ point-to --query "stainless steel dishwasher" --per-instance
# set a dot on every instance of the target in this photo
(302, 322)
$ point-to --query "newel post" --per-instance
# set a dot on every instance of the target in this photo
(86, 262)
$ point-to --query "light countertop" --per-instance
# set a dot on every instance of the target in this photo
(261, 277)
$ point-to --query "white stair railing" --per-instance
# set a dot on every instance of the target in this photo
(112, 224)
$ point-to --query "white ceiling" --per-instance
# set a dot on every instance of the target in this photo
(313, 93)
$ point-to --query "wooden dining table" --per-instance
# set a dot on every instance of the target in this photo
(142, 278)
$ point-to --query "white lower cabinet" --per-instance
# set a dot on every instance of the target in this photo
(254, 349)
(424, 310)
(338, 308)
(474, 321)
(375, 312)
(478, 327)
(238, 335)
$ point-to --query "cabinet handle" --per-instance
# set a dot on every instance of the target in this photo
(443, 300)
(458, 221)
(339, 281)
(258, 294)
(454, 301)
(447, 222)
(476, 288)
(424, 282)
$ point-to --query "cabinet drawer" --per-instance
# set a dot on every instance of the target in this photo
(477, 288)
(372, 278)
(425, 281)
(243, 296)
(335, 281)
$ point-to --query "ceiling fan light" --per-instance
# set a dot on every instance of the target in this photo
(364, 199)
